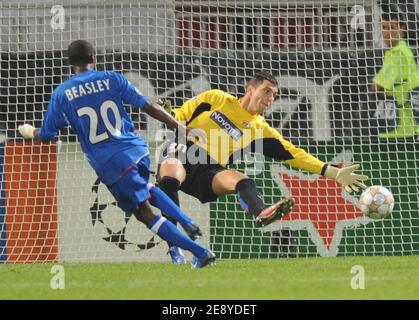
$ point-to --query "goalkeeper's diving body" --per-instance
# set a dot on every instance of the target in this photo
(235, 126)
(91, 102)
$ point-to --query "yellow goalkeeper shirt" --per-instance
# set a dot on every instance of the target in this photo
(232, 132)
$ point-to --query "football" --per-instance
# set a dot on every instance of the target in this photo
(377, 202)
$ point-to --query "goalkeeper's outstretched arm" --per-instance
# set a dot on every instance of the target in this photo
(300, 159)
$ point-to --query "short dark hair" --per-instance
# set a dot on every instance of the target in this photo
(80, 53)
(261, 76)
(392, 12)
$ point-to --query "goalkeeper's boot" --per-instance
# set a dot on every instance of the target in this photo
(177, 256)
(274, 212)
(207, 258)
(193, 231)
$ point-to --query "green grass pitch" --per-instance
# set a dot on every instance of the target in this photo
(272, 279)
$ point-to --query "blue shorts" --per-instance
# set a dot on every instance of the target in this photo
(131, 190)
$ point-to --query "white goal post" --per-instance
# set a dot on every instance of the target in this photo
(324, 54)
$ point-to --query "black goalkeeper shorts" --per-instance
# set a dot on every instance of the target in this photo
(199, 176)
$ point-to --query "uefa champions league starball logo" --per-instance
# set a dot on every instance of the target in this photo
(116, 235)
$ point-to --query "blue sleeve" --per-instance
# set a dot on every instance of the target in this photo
(54, 119)
(129, 93)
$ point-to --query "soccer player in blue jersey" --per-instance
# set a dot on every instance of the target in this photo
(91, 102)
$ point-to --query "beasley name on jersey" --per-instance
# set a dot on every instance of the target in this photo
(87, 88)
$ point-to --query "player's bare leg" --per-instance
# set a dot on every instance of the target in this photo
(225, 181)
(144, 213)
(232, 181)
(173, 168)
(171, 175)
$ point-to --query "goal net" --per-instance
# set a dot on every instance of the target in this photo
(324, 54)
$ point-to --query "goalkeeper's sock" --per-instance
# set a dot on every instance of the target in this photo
(249, 197)
(162, 201)
(168, 232)
(170, 186)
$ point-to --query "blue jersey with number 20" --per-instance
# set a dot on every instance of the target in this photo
(92, 103)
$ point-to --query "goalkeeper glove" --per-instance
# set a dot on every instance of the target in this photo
(166, 105)
(27, 131)
(344, 176)
(196, 135)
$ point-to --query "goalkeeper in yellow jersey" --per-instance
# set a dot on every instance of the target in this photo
(235, 126)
